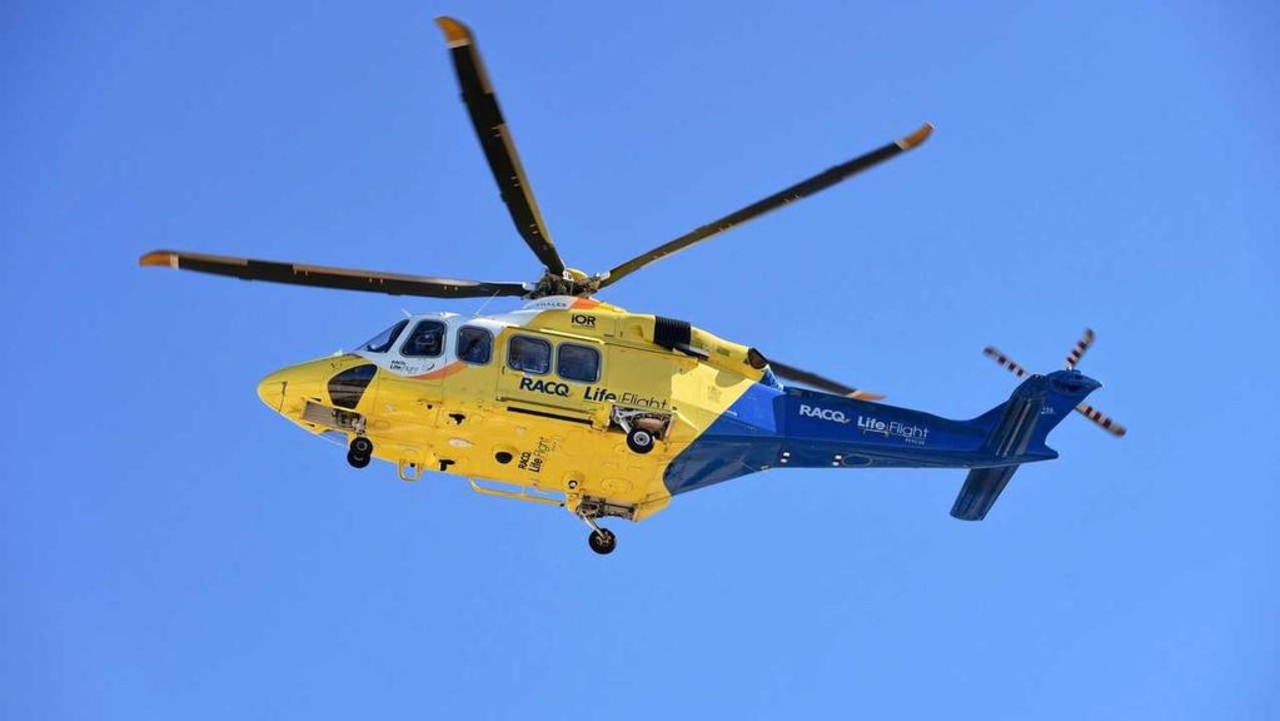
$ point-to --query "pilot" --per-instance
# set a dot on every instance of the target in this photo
(426, 342)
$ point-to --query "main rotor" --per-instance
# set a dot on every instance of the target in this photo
(500, 152)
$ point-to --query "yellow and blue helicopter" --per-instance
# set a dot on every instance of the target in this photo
(577, 403)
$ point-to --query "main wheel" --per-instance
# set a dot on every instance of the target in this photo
(640, 440)
(356, 460)
(362, 446)
(602, 541)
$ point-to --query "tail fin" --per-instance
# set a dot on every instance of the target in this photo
(981, 489)
(1018, 430)
(1013, 425)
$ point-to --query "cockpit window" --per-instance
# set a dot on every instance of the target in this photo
(383, 341)
(426, 340)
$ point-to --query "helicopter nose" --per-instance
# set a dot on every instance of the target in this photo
(272, 388)
(287, 386)
(327, 381)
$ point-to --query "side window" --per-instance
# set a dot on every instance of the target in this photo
(426, 340)
(475, 345)
(531, 355)
(578, 363)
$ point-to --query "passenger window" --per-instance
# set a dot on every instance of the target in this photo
(426, 340)
(475, 345)
(578, 363)
(531, 355)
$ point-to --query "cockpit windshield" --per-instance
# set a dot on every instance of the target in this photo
(383, 341)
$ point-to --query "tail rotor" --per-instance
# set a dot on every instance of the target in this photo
(1102, 420)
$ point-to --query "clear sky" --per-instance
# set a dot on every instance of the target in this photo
(171, 549)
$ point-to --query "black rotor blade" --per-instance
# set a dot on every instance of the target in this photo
(813, 380)
(323, 277)
(495, 139)
(803, 189)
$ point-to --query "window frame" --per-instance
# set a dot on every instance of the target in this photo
(550, 353)
(444, 338)
(458, 340)
(593, 349)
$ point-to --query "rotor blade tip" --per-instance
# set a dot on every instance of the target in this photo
(866, 396)
(919, 136)
(160, 257)
(455, 33)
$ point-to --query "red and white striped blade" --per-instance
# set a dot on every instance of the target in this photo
(1103, 420)
(1004, 360)
(1082, 346)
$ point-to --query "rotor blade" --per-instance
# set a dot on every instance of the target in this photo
(993, 353)
(322, 277)
(803, 189)
(495, 139)
(1103, 420)
(1082, 346)
(791, 373)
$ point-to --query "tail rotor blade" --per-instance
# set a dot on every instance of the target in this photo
(1103, 420)
(1008, 363)
(1082, 346)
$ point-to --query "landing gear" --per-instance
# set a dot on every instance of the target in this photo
(360, 453)
(639, 440)
(602, 541)
(643, 427)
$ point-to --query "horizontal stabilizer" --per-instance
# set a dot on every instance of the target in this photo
(981, 489)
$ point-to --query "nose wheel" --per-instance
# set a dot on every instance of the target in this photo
(360, 452)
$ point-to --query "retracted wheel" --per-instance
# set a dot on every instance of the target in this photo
(640, 440)
(602, 541)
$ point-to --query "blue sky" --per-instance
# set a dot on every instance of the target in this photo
(169, 548)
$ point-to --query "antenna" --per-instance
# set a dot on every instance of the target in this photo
(484, 305)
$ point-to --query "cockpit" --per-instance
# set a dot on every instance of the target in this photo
(382, 342)
(432, 337)
(426, 339)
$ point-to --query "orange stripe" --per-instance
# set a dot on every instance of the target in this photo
(584, 304)
(451, 369)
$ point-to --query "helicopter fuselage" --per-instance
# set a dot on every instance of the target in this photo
(553, 403)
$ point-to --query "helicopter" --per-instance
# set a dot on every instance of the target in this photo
(573, 402)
